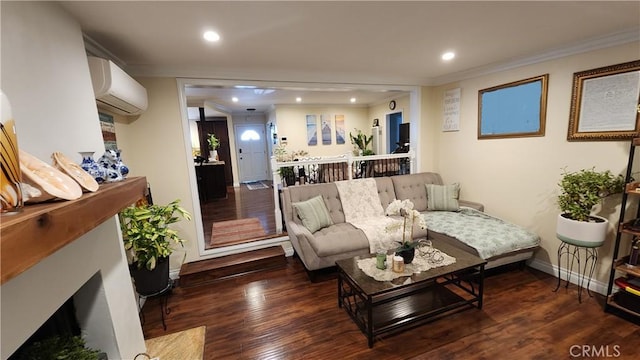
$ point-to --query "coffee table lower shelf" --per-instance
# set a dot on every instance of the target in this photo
(395, 310)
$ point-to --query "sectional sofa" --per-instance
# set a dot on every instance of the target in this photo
(319, 246)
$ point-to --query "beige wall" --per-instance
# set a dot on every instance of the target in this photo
(291, 121)
(517, 178)
(153, 145)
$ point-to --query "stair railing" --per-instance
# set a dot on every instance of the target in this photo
(325, 169)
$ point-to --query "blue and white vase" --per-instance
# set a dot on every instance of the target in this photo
(115, 169)
(92, 167)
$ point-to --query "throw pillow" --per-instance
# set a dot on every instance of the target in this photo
(443, 197)
(313, 213)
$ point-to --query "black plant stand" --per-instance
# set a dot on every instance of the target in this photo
(575, 253)
(164, 298)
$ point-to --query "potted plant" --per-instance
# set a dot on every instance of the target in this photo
(362, 141)
(580, 191)
(287, 173)
(404, 208)
(60, 347)
(150, 240)
(214, 144)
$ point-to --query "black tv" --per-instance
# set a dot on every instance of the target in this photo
(403, 134)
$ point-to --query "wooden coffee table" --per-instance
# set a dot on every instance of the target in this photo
(379, 307)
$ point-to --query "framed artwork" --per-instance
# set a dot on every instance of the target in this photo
(516, 109)
(604, 103)
(108, 131)
(325, 129)
(312, 130)
(340, 132)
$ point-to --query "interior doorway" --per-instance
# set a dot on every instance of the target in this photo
(393, 130)
(218, 126)
(251, 152)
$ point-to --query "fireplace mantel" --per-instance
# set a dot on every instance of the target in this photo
(41, 229)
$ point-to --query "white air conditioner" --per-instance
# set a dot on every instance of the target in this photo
(115, 90)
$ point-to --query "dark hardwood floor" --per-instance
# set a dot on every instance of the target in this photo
(240, 203)
(280, 314)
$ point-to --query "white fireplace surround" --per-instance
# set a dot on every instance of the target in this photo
(93, 269)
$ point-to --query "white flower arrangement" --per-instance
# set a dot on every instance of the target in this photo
(405, 209)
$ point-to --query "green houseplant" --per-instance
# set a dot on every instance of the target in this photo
(362, 141)
(580, 191)
(288, 174)
(60, 347)
(150, 240)
(214, 144)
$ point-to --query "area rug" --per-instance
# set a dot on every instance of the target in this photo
(187, 344)
(255, 185)
(235, 231)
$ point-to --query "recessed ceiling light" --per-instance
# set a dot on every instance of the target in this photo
(211, 36)
(449, 55)
(298, 99)
(234, 99)
(353, 100)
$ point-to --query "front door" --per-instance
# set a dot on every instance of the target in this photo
(251, 152)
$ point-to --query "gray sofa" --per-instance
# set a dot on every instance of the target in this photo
(343, 240)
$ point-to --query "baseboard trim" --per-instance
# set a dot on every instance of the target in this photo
(595, 285)
(288, 248)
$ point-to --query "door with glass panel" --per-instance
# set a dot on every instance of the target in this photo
(251, 152)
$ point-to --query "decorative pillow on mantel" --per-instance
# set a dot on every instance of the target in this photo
(313, 213)
(443, 197)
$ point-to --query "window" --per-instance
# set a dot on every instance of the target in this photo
(250, 135)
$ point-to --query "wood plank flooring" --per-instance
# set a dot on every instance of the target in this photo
(241, 203)
(280, 314)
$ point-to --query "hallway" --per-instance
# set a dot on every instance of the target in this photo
(241, 203)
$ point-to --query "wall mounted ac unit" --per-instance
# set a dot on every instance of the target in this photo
(115, 90)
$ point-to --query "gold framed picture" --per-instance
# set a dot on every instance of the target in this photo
(604, 103)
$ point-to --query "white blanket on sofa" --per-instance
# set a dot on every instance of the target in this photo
(362, 208)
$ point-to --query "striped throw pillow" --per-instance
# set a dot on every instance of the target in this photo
(313, 213)
(443, 197)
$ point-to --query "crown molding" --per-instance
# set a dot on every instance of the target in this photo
(93, 48)
(592, 44)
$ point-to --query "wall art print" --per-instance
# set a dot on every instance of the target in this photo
(451, 108)
(340, 131)
(312, 130)
(108, 131)
(325, 129)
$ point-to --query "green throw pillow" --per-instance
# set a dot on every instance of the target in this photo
(313, 213)
(443, 197)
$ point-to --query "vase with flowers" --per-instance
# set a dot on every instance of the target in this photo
(404, 208)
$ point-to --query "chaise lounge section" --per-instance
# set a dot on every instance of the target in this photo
(320, 246)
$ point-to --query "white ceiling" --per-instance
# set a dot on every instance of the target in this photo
(344, 42)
